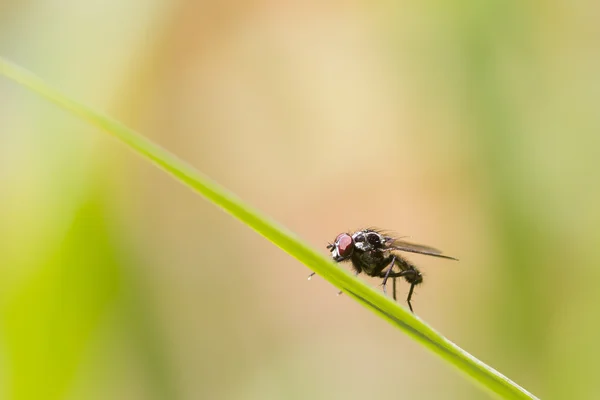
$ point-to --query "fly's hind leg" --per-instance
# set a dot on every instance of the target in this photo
(408, 271)
(410, 293)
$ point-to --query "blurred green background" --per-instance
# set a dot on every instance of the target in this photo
(472, 126)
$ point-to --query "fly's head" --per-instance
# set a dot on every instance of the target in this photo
(342, 248)
(364, 241)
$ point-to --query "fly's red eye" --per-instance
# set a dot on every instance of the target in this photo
(344, 244)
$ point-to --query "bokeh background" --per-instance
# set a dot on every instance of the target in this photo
(472, 126)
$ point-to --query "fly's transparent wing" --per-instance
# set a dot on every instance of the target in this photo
(401, 245)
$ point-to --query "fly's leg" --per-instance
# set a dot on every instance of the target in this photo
(410, 293)
(355, 275)
(408, 272)
(414, 277)
(387, 275)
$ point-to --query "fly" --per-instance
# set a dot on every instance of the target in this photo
(375, 254)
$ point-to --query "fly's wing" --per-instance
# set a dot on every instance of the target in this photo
(396, 244)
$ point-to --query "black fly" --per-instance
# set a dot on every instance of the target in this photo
(374, 253)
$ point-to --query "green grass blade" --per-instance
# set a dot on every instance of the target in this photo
(372, 299)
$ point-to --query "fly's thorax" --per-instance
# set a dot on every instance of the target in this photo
(360, 242)
(368, 240)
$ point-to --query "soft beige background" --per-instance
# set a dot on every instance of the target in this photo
(470, 126)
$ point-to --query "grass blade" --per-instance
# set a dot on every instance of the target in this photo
(372, 299)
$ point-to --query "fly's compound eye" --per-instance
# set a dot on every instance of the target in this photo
(344, 245)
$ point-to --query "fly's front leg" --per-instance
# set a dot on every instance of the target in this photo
(355, 275)
(387, 275)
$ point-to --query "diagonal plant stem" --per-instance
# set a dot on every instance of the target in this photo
(370, 298)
